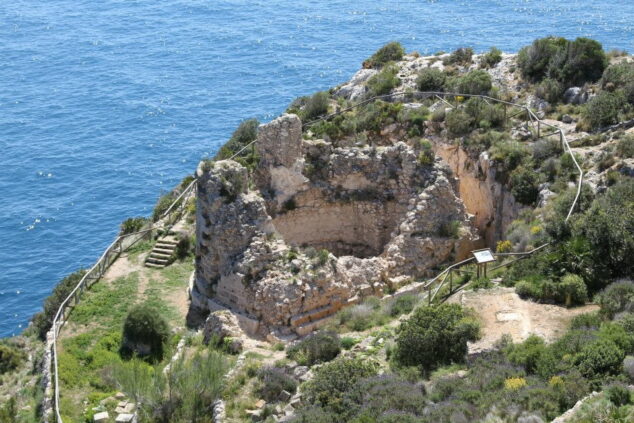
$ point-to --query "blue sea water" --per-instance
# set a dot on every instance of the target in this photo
(106, 104)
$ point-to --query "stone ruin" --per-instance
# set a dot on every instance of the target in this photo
(316, 227)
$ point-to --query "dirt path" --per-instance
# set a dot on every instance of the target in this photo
(502, 311)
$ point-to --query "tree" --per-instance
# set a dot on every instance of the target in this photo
(435, 335)
(145, 332)
(388, 53)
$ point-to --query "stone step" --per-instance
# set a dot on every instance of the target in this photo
(162, 251)
(309, 327)
(157, 266)
(167, 242)
(155, 254)
(166, 246)
(156, 260)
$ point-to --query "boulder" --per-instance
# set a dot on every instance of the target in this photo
(101, 417)
(221, 325)
(576, 95)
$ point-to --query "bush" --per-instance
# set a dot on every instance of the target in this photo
(604, 109)
(617, 76)
(315, 107)
(132, 224)
(274, 380)
(426, 156)
(569, 62)
(625, 147)
(348, 342)
(431, 79)
(315, 348)
(491, 58)
(435, 335)
(474, 82)
(244, 134)
(586, 321)
(362, 316)
(525, 185)
(184, 247)
(618, 394)
(162, 205)
(599, 358)
(509, 153)
(10, 358)
(618, 297)
(573, 290)
(550, 90)
(403, 304)
(458, 122)
(383, 82)
(144, 327)
(390, 52)
(43, 320)
(333, 379)
(461, 56)
(528, 354)
(450, 229)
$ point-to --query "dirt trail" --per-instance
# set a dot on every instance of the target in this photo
(502, 311)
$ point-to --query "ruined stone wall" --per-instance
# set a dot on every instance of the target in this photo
(377, 209)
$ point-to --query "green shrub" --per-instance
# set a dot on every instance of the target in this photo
(475, 82)
(333, 379)
(550, 90)
(569, 62)
(509, 153)
(244, 134)
(618, 394)
(163, 204)
(315, 107)
(434, 336)
(525, 185)
(315, 348)
(416, 119)
(625, 147)
(184, 248)
(272, 381)
(426, 156)
(586, 320)
(403, 304)
(431, 79)
(450, 229)
(43, 320)
(458, 123)
(144, 325)
(362, 316)
(573, 290)
(390, 52)
(528, 354)
(604, 109)
(348, 342)
(617, 76)
(616, 298)
(10, 358)
(491, 58)
(460, 56)
(384, 81)
(527, 289)
(599, 358)
(9, 411)
(132, 224)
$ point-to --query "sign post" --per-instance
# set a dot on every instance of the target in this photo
(483, 257)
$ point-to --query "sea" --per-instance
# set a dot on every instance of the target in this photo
(105, 105)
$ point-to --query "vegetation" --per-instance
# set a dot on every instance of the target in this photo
(474, 82)
(144, 326)
(383, 82)
(433, 336)
(10, 358)
(572, 63)
(132, 224)
(431, 79)
(273, 381)
(318, 347)
(244, 134)
(491, 58)
(390, 52)
(42, 321)
(461, 56)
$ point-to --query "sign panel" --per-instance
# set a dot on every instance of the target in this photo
(483, 256)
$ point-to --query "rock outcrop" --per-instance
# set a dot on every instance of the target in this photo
(316, 227)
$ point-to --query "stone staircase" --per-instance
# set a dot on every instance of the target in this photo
(162, 254)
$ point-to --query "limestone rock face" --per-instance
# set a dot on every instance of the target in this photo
(220, 325)
(318, 226)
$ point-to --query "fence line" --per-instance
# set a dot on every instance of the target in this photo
(173, 213)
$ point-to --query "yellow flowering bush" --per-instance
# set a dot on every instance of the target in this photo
(514, 383)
